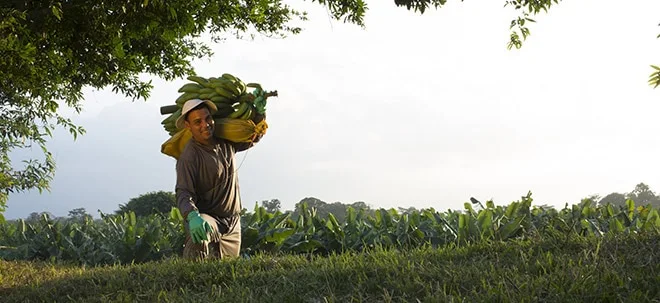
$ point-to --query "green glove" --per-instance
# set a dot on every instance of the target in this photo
(198, 227)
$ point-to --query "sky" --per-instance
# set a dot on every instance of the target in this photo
(410, 111)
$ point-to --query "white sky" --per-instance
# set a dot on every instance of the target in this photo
(422, 111)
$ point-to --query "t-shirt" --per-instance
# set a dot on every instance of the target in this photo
(207, 180)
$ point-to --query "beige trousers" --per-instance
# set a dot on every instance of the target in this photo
(217, 246)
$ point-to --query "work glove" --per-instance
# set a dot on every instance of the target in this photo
(199, 228)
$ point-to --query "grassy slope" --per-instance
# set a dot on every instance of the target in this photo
(622, 269)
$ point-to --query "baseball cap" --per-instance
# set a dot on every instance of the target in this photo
(188, 106)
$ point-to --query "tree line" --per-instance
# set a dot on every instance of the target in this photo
(161, 202)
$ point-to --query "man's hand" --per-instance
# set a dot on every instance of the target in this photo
(199, 228)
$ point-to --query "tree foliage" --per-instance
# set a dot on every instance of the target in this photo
(272, 206)
(149, 203)
(79, 214)
(337, 209)
(614, 199)
(641, 195)
(35, 216)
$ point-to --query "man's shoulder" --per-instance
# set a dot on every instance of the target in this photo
(225, 143)
(188, 152)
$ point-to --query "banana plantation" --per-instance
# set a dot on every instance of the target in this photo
(128, 239)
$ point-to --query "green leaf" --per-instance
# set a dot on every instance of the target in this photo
(462, 222)
(133, 220)
(485, 220)
(306, 246)
(250, 236)
(630, 205)
(278, 235)
(510, 229)
(615, 225)
(57, 11)
(610, 210)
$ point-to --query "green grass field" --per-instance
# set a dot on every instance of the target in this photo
(559, 268)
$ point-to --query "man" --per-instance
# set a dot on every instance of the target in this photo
(207, 190)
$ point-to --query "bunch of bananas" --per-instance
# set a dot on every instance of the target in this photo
(229, 94)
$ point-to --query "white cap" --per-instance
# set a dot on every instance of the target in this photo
(189, 105)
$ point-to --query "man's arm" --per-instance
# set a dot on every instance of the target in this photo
(242, 146)
(186, 195)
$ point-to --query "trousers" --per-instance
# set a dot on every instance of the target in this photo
(219, 245)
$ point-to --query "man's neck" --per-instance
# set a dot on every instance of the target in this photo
(210, 142)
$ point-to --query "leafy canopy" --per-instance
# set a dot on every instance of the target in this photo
(157, 202)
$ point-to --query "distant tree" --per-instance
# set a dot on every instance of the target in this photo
(271, 206)
(409, 210)
(643, 195)
(149, 203)
(35, 216)
(337, 209)
(311, 202)
(79, 214)
(616, 199)
(593, 199)
(360, 205)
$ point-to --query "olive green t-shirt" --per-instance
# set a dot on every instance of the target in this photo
(207, 180)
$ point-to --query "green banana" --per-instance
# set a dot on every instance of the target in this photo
(246, 98)
(190, 88)
(228, 76)
(247, 114)
(240, 110)
(221, 106)
(223, 112)
(238, 85)
(215, 84)
(206, 90)
(231, 86)
(185, 97)
(220, 99)
(199, 80)
(170, 127)
(225, 93)
(254, 85)
(241, 85)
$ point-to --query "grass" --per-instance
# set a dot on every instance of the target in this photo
(624, 268)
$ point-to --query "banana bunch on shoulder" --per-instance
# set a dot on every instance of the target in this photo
(228, 92)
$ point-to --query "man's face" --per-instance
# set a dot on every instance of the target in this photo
(201, 125)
